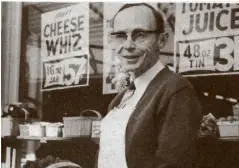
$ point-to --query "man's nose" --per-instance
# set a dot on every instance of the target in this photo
(129, 44)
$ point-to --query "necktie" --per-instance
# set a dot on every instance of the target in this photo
(130, 93)
(131, 86)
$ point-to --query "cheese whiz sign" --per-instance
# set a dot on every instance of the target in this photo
(207, 38)
(65, 47)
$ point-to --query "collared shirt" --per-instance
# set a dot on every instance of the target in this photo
(142, 82)
(113, 126)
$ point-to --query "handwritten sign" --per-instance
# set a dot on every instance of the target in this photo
(65, 47)
(66, 72)
(95, 133)
(206, 38)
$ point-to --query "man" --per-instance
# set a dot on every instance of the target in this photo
(153, 123)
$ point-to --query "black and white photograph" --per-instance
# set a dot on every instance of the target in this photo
(114, 84)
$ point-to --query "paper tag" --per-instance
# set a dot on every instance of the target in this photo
(95, 129)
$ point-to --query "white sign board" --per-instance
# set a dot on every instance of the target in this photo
(207, 38)
(65, 47)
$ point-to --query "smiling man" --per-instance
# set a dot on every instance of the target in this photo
(138, 35)
(154, 122)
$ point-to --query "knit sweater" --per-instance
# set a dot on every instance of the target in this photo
(162, 131)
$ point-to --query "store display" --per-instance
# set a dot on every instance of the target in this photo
(236, 110)
(80, 126)
(54, 130)
(24, 130)
(37, 129)
(224, 126)
(228, 128)
(41, 129)
(10, 126)
(208, 126)
(229, 118)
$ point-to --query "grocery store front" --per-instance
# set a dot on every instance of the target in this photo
(57, 71)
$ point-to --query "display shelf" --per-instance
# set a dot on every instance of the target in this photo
(232, 138)
(96, 140)
(8, 137)
(47, 139)
(228, 138)
(43, 139)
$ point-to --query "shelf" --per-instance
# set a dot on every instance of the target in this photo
(48, 139)
(235, 138)
(228, 139)
(44, 139)
(8, 137)
(95, 140)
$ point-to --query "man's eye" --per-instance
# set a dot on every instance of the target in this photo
(139, 35)
(120, 36)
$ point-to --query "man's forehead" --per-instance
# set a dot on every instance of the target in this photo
(135, 17)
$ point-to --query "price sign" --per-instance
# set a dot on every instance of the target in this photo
(65, 47)
(207, 38)
(95, 129)
(219, 54)
(70, 72)
(196, 56)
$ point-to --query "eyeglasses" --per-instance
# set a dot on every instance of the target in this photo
(137, 35)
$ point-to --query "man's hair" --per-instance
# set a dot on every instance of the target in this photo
(158, 16)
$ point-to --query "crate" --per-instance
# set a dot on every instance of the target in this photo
(10, 126)
(227, 128)
(80, 126)
(236, 110)
(37, 130)
(24, 130)
(53, 130)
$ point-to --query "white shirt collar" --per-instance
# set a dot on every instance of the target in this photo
(143, 80)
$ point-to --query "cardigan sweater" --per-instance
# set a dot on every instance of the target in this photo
(113, 126)
(162, 130)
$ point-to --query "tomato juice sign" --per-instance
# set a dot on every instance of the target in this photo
(65, 47)
(207, 38)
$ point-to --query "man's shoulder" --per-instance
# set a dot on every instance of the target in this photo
(173, 81)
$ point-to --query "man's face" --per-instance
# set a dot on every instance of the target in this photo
(136, 53)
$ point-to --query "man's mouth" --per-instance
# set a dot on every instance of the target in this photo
(131, 56)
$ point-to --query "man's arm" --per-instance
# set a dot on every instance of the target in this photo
(177, 139)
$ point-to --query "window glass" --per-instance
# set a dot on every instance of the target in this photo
(60, 100)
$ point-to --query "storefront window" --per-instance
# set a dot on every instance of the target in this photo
(61, 60)
(31, 77)
(43, 82)
(67, 92)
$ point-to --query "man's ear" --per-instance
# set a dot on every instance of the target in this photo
(163, 38)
